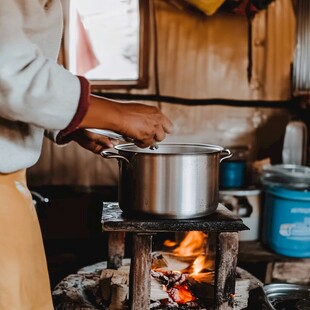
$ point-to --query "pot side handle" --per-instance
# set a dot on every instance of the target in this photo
(107, 154)
(228, 152)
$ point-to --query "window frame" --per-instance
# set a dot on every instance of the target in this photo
(100, 86)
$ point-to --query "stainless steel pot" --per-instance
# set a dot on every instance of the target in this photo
(174, 181)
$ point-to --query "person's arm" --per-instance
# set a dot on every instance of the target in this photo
(145, 124)
(34, 89)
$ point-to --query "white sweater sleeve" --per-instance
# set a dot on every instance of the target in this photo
(34, 89)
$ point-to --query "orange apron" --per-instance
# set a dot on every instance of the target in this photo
(24, 281)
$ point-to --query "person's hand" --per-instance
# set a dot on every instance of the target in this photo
(145, 124)
(91, 141)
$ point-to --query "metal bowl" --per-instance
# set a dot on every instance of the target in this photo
(285, 296)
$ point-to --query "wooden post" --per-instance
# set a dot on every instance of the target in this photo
(116, 249)
(140, 272)
(225, 271)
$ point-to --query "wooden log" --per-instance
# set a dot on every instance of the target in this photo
(225, 271)
(119, 295)
(174, 262)
(140, 272)
(105, 284)
(202, 286)
(241, 294)
(77, 291)
(205, 277)
(116, 249)
(158, 261)
(114, 285)
(157, 292)
(81, 291)
(211, 249)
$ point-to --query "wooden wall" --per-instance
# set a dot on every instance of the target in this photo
(202, 57)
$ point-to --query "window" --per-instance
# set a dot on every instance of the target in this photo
(107, 42)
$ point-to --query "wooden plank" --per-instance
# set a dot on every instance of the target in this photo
(116, 249)
(140, 272)
(292, 272)
(225, 271)
(221, 220)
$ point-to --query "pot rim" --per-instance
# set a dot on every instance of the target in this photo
(187, 149)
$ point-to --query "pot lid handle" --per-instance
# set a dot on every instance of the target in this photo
(107, 154)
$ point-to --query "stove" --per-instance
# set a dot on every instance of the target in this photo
(222, 225)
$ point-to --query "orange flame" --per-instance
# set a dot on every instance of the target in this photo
(199, 264)
(169, 243)
(192, 245)
(184, 295)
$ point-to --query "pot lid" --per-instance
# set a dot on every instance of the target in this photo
(172, 149)
(287, 175)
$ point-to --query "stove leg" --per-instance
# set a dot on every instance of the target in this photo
(116, 249)
(226, 263)
(140, 272)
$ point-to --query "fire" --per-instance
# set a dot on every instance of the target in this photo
(192, 245)
(181, 284)
(183, 295)
(177, 287)
(170, 244)
(199, 264)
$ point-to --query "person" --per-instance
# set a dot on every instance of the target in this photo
(39, 97)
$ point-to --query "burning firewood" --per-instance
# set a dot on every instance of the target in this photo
(180, 284)
(158, 261)
(157, 291)
(175, 278)
(203, 277)
(177, 286)
(155, 305)
(164, 304)
(202, 286)
(160, 277)
(170, 261)
(193, 305)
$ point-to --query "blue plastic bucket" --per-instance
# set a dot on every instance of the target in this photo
(232, 174)
(286, 225)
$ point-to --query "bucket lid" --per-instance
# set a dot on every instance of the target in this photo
(288, 175)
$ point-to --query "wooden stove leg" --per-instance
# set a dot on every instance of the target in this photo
(116, 249)
(225, 271)
(140, 272)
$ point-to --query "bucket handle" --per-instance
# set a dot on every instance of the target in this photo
(107, 154)
(228, 152)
